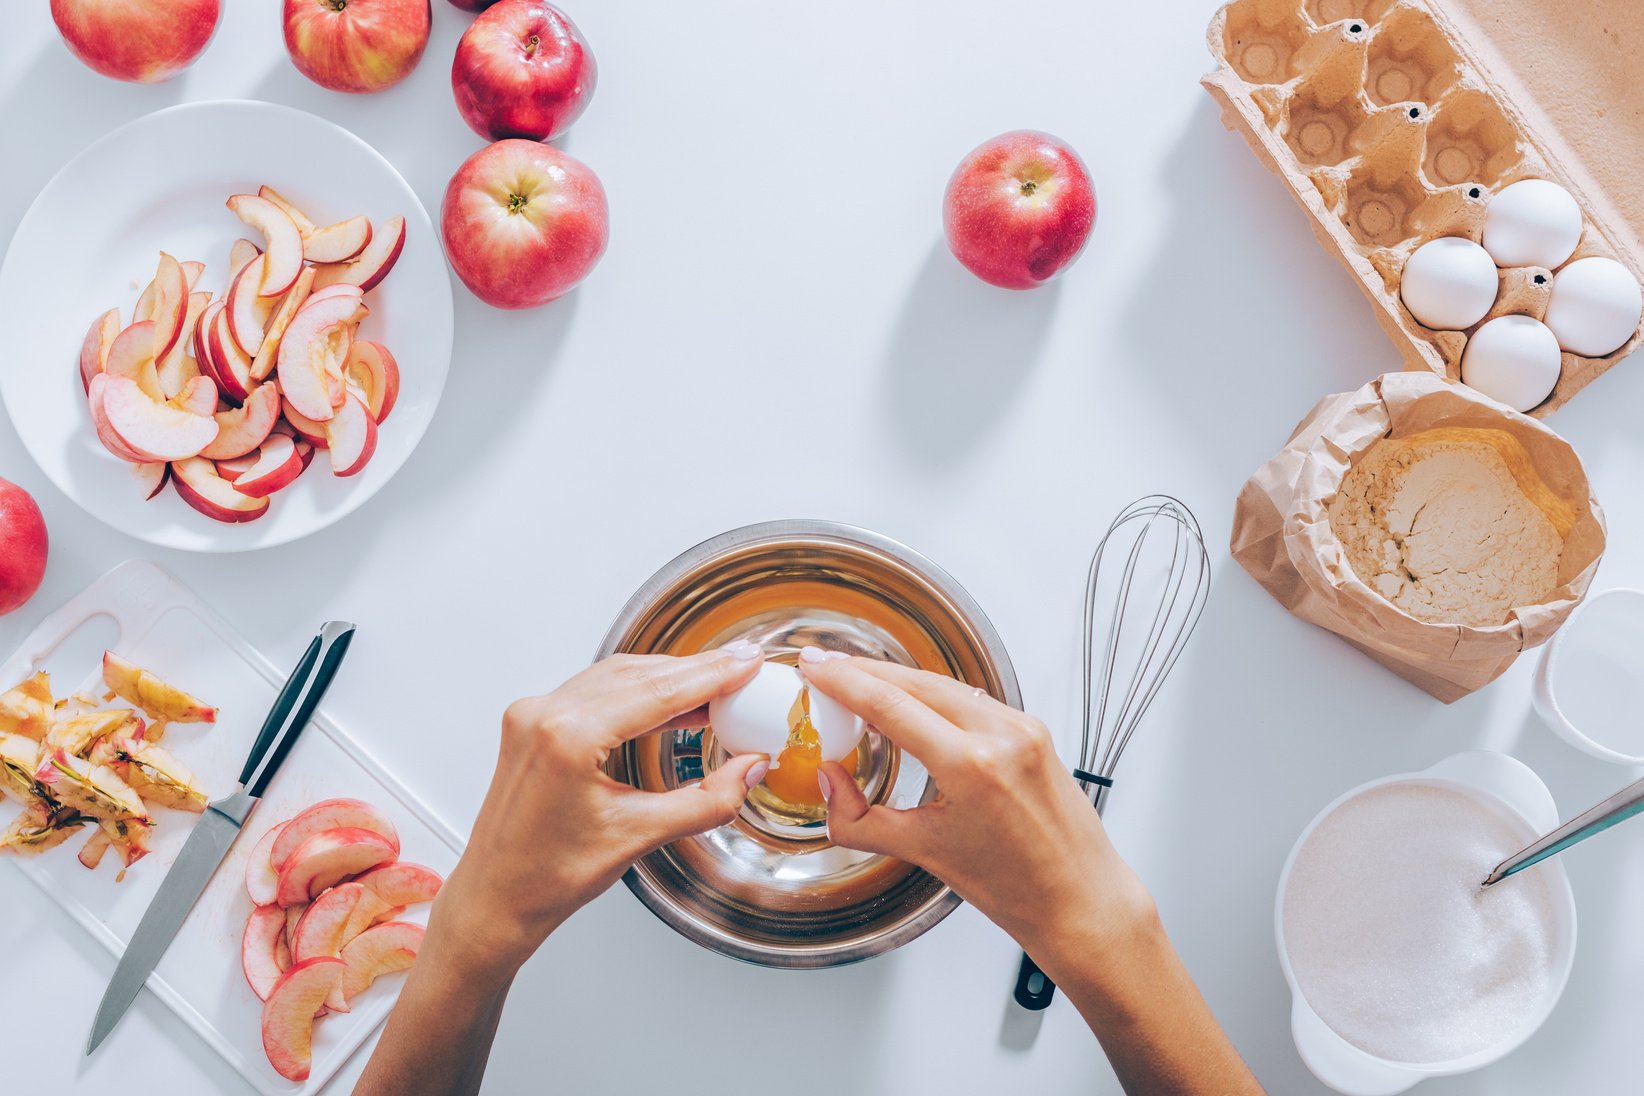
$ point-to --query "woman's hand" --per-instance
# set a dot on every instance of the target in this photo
(555, 831)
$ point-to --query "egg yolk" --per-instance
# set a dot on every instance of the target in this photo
(793, 777)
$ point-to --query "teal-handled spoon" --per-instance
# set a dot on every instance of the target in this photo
(1618, 808)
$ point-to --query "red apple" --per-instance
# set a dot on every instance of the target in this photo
(522, 70)
(22, 546)
(1019, 209)
(523, 223)
(356, 45)
(146, 41)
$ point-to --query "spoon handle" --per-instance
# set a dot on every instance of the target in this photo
(1618, 808)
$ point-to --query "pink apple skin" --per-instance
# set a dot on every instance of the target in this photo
(23, 546)
(1019, 209)
(356, 46)
(523, 223)
(144, 41)
(522, 69)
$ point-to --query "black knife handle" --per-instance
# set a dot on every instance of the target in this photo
(295, 705)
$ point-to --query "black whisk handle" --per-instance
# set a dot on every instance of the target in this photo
(1034, 989)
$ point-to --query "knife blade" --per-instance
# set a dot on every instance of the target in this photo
(221, 823)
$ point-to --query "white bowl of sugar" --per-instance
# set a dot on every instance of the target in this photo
(1590, 681)
(1400, 966)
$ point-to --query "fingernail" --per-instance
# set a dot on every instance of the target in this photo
(812, 654)
(822, 782)
(837, 656)
(742, 650)
(757, 774)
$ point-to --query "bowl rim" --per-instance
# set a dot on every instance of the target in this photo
(1545, 690)
(807, 956)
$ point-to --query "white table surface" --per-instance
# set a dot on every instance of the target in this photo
(778, 331)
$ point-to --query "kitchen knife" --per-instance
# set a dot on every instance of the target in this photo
(214, 834)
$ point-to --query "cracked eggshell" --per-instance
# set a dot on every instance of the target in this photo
(754, 719)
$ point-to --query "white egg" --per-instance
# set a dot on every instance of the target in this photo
(1448, 283)
(1532, 223)
(1594, 306)
(1512, 359)
(755, 718)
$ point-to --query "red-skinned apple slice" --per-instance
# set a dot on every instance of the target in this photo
(337, 243)
(389, 889)
(278, 464)
(282, 242)
(160, 431)
(165, 302)
(198, 397)
(242, 251)
(343, 289)
(200, 486)
(202, 342)
(298, 217)
(293, 917)
(244, 428)
(332, 814)
(320, 932)
(351, 437)
(329, 857)
(263, 364)
(307, 429)
(230, 364)
(288, 1014)
(259, 947)
(387, 948)
(131, 355)
(313, 351)
(99, 420)
(191, 273)
(152, 477)
(374, 262)
(94, 351)
(173, 369)
(247, 311)
(235, 467)
(261, 880)
(373, 369)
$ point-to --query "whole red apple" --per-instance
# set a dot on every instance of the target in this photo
(522, 70)
(1019, 209)
(145, 41)
(22, 546)
(356, 45)
(523, 223)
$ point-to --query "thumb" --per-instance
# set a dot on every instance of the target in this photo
(663, 817)
(855, 824)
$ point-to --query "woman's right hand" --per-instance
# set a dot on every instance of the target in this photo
(1011, 832)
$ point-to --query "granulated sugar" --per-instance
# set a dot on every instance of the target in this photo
(1391, 939)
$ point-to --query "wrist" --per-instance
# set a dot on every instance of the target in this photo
(1097, 935)
(480, 942)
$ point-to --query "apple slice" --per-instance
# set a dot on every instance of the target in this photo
(307, 429)
(337, 243)
(240, 252)
(198, 397)
(160, 700)
(200, 486)
(263, 364)
(373, 264)
(235, 467)
(261, 880)
(94, 351)
(259, 947)
(248, 310)
(165, 302)
(312, 355)
(242, 429)
(332, 814)
(278, 463)
(191, 273)
(152, 477)
(159, 431)
(131, 354)
(388, 890)
(99, 421)
(328, 858)
(282, 246)
(320, 932)
(230, 365)
(174, 369)
(373, 369)
(293, 918)
(351, 437)
(387, 948)
(288, 1014)
(339, 290)
(298, 217)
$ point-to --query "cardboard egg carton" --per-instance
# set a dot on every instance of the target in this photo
(1394, 121)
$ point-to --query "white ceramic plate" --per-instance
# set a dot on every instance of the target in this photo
(91, 240)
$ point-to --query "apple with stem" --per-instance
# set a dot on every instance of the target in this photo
(522, 69)
(23, 546)
(1019, 209)
(523, 223)
(356, 46)
(143, 41)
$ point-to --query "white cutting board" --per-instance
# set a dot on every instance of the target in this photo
(166, 629)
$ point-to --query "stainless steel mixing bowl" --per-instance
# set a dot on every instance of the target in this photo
(771, 888)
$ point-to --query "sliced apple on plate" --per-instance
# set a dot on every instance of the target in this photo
(164, 303)
(158, 431)
(263, 364)
(131, 354)
(199, 485)
(230, 364)
(377, 951)
(151, 477)
(282, 242)
(332, 814)
(248, 311)
(350, 437)
(288, 1014)
(259, 949)
(320, 932)
(240, 252)
(180, 365)
(388, 890)
(373, 372)
(94, 351)
(373, 264)
(326, 859)
(105, 432)
(307, 429)
(242, 429)
(313, 354)
(279, 462)
(261, 880)
(191, 273)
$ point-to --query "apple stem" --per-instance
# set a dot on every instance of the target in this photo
(1028, 187)
(532, 44)
(337, 5)
(516, 202)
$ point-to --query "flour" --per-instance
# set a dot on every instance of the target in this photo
(1442, 530)
(1393, 942)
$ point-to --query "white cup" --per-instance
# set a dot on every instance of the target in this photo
(1355, 1072)
(1591, 677)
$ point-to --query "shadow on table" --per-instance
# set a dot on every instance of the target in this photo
(961, 354)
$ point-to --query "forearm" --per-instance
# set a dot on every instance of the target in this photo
(439, 1035)
(1133, 990)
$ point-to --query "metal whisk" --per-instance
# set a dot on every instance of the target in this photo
(1151, 607)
